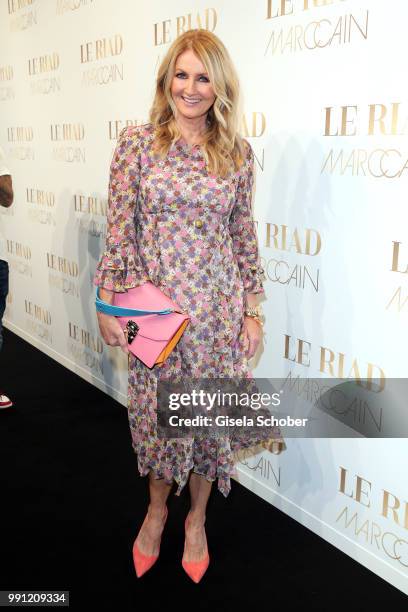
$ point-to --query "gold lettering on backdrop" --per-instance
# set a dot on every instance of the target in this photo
(279, 9)
(67, 131)
(84, 337)
(21, 267)
(380, 115)
(44, 63)
(254, 126)
(43, 202)
(361, 491)
(301, 356)
(206, 19)
(351, 408)
(45, 86)
(161, 33)
(19, 257)
(394, 505)
(7, 92)
(23, 20)
(16, 5)
(116, 125)
(40, 197)
(6, 73)
(348, 115)
(386, 504)
(70, 5)
(378, 163)
(42, 314)
(302, 241)
(299, 240)
(69, 154)
(39, 321)
(318, 34)
(41, 65)
(65, 268)
(262, 466)
(90, 205)
(333, 364)
(20, 134)
(399, 299)
(45, 217)
(383, 120)
(84, 357)
(376, 119)
(285, 273)
(282, 8)
(98, 50)
(329, 361)
(387, 542)
(62, 264)
(18, 249)
(188, 22)
(101, 49)
(395, 259)
(64, 132)
(103, 75)
(38, 329)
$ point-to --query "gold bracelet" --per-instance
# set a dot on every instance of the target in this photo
(253, 311)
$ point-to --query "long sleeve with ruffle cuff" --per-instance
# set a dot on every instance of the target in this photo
(243, 232)
(119, 267)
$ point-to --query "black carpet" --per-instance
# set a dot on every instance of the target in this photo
(72, 502)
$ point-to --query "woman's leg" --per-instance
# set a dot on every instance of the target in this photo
(148, 539)
(196, 541)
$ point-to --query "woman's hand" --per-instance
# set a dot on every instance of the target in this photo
(109, 326)
(252, 336)
(111, 331)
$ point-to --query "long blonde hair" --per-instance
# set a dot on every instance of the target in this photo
(223, 146)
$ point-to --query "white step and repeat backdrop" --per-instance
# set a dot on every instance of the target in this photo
(326, 109)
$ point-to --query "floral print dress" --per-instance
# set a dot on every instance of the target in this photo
(192, 234)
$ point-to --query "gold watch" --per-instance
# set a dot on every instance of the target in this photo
(254, 313)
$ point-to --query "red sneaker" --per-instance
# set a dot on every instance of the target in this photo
(5, 402)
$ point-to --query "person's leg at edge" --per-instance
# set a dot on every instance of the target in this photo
(5, 401)
(148, 539)
(196, 541)
(4, 273)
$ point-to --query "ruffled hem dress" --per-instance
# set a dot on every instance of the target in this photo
(192, 234)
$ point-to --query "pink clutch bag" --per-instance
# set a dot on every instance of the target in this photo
(152, 322)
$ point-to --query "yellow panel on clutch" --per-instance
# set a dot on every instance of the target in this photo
(172, 343)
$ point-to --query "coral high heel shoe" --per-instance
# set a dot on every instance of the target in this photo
(195, 569)
(144, 562)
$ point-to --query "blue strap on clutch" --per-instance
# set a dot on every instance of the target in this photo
(118, 311)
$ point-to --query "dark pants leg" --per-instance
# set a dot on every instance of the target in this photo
(4, 287)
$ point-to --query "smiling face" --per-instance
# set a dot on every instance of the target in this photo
(191, 89)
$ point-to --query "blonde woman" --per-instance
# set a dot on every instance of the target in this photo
(180, 216)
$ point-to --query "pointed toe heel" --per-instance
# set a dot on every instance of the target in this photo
(195, 569)
(143, 562)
